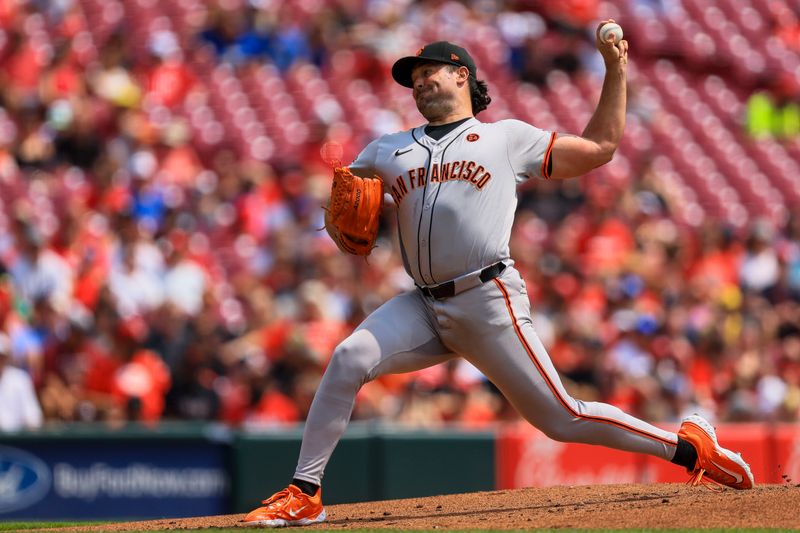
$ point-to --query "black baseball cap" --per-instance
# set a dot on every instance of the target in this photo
(441, 52)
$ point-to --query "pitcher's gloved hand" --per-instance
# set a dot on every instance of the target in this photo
(353, 211)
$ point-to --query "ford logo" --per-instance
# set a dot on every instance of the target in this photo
(24, 479)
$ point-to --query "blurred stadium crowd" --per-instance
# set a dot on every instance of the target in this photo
(163, 164)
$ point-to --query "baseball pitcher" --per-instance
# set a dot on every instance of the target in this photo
(454, 182)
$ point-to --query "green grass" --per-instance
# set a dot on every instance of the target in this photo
(20, 526)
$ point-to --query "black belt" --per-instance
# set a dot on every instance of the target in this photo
(448, 288)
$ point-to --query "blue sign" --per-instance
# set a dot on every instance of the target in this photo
(24, 479)
(113, 478)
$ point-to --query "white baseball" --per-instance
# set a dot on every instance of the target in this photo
(611, 28)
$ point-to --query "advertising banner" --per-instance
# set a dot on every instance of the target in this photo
(786, 464)
(112, 478)
(528, 458)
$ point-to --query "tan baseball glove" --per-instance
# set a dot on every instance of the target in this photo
(353, 212)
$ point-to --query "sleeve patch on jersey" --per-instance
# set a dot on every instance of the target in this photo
(546, 167)
(472, 137)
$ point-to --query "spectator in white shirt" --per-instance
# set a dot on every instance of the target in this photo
(19, 407)
(185, 282)
(136, 290)
(39, 272)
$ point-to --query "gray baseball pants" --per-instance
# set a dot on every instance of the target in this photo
(490, 326)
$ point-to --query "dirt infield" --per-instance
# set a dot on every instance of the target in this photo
(607, 506)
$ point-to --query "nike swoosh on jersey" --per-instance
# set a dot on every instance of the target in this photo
(735, 476)
(399, 152)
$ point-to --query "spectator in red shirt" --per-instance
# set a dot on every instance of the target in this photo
(142, 380)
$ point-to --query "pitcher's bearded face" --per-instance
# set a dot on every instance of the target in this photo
(434, 89)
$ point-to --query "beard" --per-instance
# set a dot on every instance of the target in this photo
(435, 104)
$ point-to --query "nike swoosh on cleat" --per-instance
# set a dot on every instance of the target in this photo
(735, 476)
(293, 514)
(401, 152)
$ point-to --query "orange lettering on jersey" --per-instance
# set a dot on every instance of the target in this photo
(465, 174)
(398, 190)
(483, 181)
(401, 184)
(434, 173)
(445, 174)
(475, 174)
(453, 171)
(421, 177)
(463, 170)
(395, 195)
(468, 171)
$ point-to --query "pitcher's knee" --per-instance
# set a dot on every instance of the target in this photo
(351, 362)
(562, 429)
(560, 433)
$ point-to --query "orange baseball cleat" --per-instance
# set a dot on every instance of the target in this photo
(713, 461)
(289, 507)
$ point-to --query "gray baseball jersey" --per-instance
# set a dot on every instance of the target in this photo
(456, 196)
(456, 199)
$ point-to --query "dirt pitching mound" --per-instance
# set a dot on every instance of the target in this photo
(606, 506)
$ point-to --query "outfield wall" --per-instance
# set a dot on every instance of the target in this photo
(177, 470)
